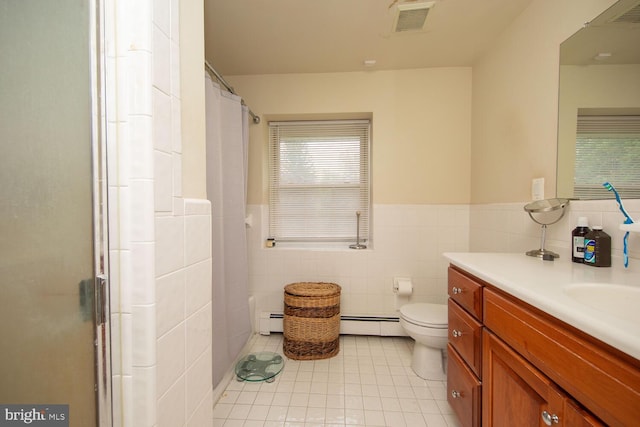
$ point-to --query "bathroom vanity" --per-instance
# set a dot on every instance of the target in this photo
(524, 350)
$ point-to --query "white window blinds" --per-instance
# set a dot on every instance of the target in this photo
(607, 149)
(318, 179)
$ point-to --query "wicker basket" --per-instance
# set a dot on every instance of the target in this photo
(311, 323)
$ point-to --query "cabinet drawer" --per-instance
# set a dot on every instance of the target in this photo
(465, 335)
(463, 390)
(466, 291)
(601, 380)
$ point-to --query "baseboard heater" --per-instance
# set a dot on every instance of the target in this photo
(388, 326)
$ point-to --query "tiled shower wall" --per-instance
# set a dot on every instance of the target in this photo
(160, 256)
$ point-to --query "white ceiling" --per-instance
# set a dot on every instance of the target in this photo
(244, 37)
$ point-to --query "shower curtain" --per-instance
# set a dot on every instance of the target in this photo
(227, 150)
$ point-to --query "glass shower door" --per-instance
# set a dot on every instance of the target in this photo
(49, 258)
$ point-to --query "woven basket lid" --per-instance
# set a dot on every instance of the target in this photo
(312, 289)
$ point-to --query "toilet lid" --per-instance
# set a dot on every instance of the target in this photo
(424, 314)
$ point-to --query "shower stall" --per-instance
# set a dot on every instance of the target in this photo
(54, 325)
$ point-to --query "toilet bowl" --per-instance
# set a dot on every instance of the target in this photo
(427, 325)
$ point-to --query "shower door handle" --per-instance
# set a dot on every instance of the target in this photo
(93, 299)
(101, 300)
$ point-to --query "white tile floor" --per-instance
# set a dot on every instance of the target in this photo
(369, 383)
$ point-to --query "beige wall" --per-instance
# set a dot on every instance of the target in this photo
(420, 133)
(515, 87)
(194, 172)
(427, 147)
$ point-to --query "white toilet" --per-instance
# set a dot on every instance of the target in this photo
(427, 325)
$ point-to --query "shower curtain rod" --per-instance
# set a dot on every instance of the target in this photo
(210, 69)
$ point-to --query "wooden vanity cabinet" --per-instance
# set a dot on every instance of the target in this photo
(464, 350)
(463, 389)
(466, 291)
(602, 379)
(517, 394)
(511, 364)
(465, 336)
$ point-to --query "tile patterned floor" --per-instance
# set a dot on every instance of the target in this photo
(369, 383)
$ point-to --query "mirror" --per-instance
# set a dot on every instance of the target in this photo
(599, 77)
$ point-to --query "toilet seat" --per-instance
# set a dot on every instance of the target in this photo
(425, 314)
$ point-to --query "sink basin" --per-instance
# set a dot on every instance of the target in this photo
(617, 300)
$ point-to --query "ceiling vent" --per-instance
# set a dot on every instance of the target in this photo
(411, 16)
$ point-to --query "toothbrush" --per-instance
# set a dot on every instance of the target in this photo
(627, 220)
(610, 187)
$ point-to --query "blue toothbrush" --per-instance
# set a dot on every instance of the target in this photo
(627, 220)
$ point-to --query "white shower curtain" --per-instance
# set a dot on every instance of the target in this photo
(227, 148)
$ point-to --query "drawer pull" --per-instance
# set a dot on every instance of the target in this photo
(456, 394)
(456, 333)
(456, 290)
(550, 419)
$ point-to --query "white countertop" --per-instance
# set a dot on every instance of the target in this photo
(542, 283)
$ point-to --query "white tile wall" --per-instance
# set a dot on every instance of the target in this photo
(184, 312)
(140, 93)
(137, 18)
(144, 337)
(508, 228)
(144, 384)
(141, 147)
(160, 291)
(196, 294)
(162, 14)
(161, 61)
(408, 241)
(203, 413)
(162, 134)
(170, 244)
(163, 184)
(142, 203)
(144, 293)
(176, 176)
(120, 214)
(176, 124)
(198, 378)
(198, 330)
(171, 361)
(171, 406)
(171, 297)
(199, 249)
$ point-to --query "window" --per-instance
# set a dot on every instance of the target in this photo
(318, 180)
(607, 149)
